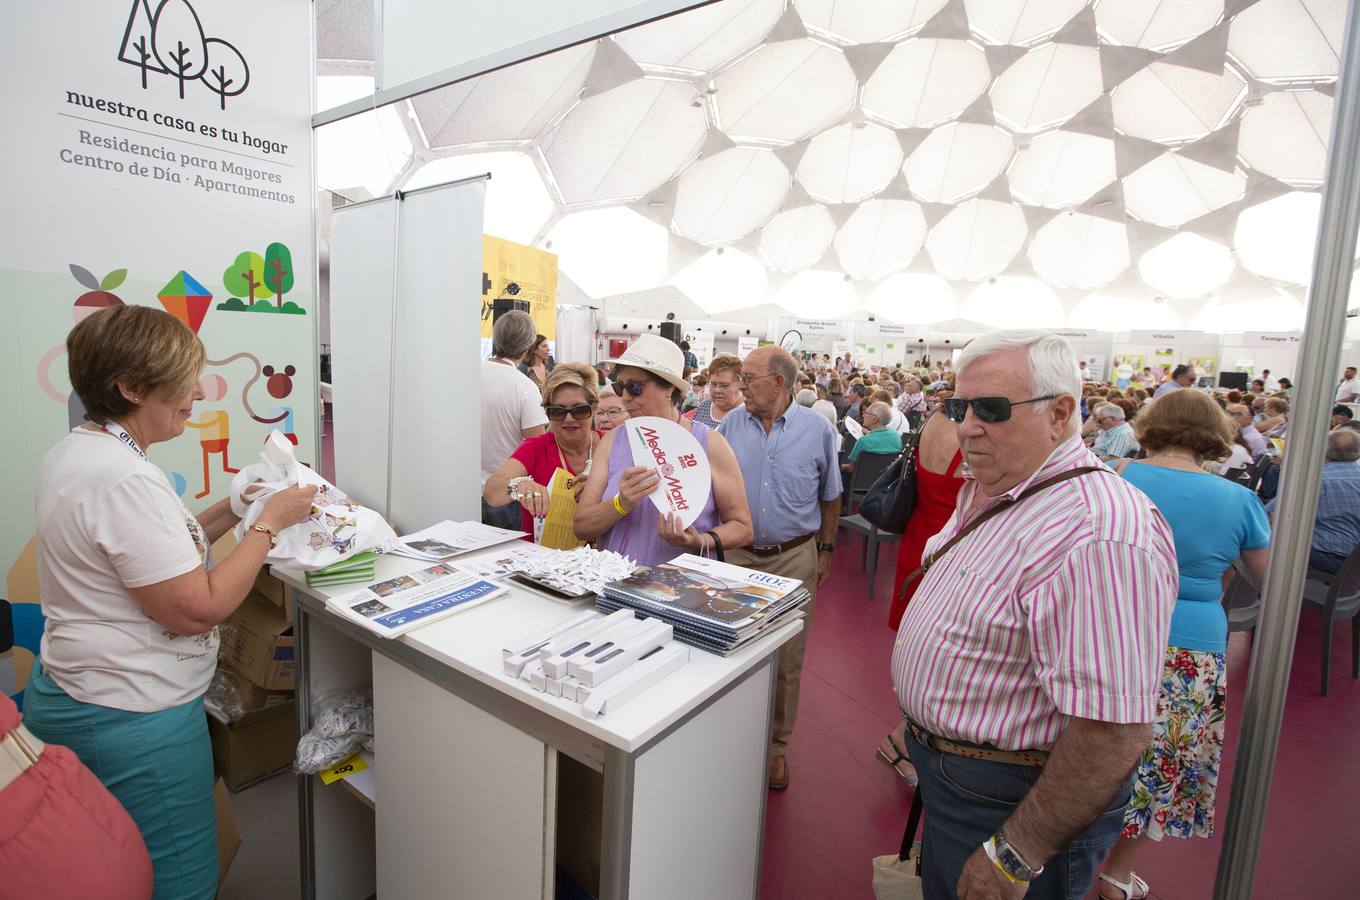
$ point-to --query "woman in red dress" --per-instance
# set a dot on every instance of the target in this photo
(938, 458)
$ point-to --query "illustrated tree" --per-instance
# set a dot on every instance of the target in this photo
(245, 278)
(136, 46)
(177, 41)
(278, 270)
(227, 73)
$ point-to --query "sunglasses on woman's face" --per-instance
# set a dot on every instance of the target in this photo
(580, 412)
(634, 388)
(987, 409)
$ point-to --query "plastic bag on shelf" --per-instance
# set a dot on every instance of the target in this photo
(226, 697)
(338, 526)
(344, 725)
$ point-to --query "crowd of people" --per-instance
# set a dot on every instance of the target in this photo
(1059, 660)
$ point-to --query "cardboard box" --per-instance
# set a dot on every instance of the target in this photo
(279, 594)
(228, 834)
(257, 641)
(257, 745)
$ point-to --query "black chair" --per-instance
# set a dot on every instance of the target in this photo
(1258, 470)
(1242, 603)
(1336, 597)
(867, 469)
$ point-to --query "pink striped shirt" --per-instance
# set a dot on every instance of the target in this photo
(1059, 607)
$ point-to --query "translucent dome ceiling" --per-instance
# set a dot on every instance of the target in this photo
(1090, 164)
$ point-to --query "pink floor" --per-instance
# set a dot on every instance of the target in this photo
(844, 807)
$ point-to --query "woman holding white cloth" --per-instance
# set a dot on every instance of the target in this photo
(130, 642)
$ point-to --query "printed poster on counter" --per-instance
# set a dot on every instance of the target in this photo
(668, 447)
(159, 153)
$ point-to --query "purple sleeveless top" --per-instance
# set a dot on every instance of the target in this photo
(635, 535)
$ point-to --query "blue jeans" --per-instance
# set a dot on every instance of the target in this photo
(1324, 562)
(967, 800)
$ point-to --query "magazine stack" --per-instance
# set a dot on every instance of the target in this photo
(712, 605)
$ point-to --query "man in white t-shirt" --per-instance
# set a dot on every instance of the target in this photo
(512, 408)
(1349, 389)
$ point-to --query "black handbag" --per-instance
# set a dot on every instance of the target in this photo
(891, 499)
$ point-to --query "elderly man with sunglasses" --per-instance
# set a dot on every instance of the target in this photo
(1028, 663)
(787, 455)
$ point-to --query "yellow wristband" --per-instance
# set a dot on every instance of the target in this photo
(618, 506)
(990, 849)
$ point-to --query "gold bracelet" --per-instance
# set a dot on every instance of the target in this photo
(618, 505)
(268, 532)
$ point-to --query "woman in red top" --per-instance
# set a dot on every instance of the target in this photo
(570, 395)
(938, 458)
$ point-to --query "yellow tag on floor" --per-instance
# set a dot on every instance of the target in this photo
(343, 769)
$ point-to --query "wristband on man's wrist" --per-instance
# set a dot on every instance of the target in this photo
(825, 547)
(1008, 860)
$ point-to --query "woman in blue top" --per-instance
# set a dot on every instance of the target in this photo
(1215, 523)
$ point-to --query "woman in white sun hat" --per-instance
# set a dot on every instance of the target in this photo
(648, 378)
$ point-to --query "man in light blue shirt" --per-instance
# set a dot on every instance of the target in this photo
(1256, 442)
(1181, 377)
(1116, 439)
(878, 437)
(1336, 531)
(787, 455)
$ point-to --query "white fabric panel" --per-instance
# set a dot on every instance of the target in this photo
(576, 334)
(363, 270)
(436, 425)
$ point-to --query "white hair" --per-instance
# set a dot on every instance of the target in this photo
(1052, 361)
(1113, 410)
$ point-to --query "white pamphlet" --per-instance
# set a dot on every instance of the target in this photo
(397, 605)
(448, 539)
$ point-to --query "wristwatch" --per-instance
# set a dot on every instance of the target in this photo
(825, 546)
(1003, 855)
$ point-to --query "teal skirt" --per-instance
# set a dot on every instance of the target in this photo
(159, 766)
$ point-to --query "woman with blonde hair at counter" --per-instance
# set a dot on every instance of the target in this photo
(130, 593)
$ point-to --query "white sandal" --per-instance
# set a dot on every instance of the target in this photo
(1127, 888)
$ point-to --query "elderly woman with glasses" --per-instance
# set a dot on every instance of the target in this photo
(614, 506)
(570, 395)
(724, 391)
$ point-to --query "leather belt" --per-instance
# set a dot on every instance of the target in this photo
(776, 549)
(18, 751)
(973, 751)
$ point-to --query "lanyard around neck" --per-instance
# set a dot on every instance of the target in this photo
(121, 433)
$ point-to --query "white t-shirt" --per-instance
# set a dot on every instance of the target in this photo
(510, 403)
(108, 520)
(1347, 388)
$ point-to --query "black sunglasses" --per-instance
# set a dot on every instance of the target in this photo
(580, 412)
(634, 388)
(987, 409)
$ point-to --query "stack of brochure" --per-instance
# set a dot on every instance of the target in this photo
(449, 539)
(397, 605)
(712, 605)
(361, 568)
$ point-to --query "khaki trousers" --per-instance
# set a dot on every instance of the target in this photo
(800, 563)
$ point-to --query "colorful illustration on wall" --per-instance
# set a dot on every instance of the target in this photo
(214, 431)
(1124, 367)
(100, 293)
(280, 385)
(185, 299)
(252, 278)
(1205, 365)
(171, 42)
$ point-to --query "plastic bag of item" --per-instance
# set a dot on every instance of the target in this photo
(344, 725)
(338, 527)
(226, 697)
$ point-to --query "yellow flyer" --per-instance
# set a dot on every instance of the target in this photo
(556, 532)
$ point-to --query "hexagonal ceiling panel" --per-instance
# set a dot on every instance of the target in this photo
(796, 238)
(866, 21)
(957, 161)
(625, 142)
(512, 104)
(784, 92)
(1019, 22)
(1080, 251)
(1061, 169)
(702, 39)
(924, 82)
(977, 239)
(1171, 104)
(1046, 87)
(880, 237)
(1288, 41)
(850, 162)
(1156, 24)
(1168, 130)
(727, 196)
(1286, 136)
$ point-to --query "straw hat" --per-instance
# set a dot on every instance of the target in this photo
(657, 355)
